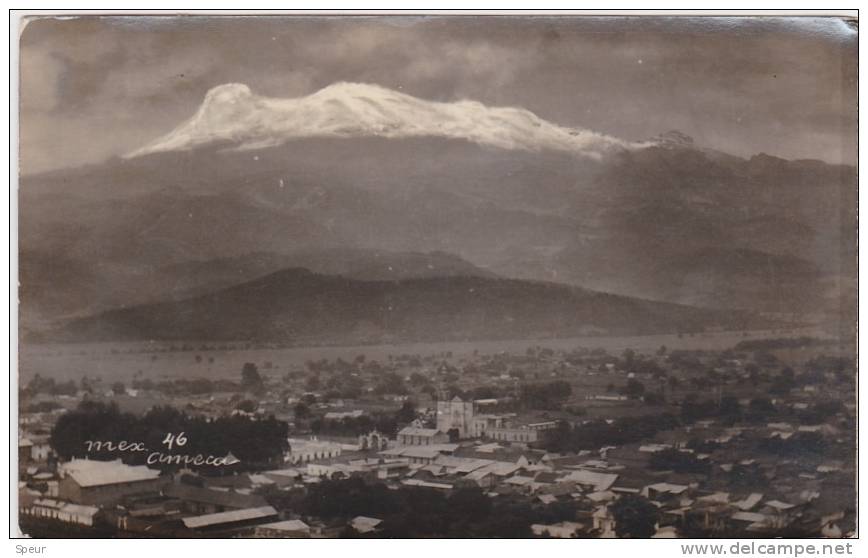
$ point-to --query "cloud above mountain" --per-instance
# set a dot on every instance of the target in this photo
(233, 113)
(96, 87)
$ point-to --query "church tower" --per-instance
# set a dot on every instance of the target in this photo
(457, 414)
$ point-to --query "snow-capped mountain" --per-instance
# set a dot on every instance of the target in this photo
(233, 113)
(364, 168)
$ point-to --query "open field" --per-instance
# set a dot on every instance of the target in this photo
(123, 361)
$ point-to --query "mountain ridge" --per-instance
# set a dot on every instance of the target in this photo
(298, 305)
(629, 223)
(62, 287)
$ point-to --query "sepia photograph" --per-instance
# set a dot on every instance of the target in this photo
(452, 276)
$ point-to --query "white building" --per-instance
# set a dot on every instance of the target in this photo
(415, 436)
(304, 451)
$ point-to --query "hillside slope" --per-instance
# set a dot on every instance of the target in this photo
(296, 305)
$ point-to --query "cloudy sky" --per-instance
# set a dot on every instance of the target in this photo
(94, 87)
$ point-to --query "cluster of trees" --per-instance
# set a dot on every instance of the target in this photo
(678, 461)
(384, 422)
(783, 382)
(41, 407)
(347, 386)
(390, 383)
(800, 444)
(340, 379)
(746, 477)
(340, 366)
(355, 426)
(50, 386)
(256, 442)
(494, 366)
(779, 343)
(596, 434)
(694, 409)
(820, 412)
(413, 512)
(686, 361)
(760, 409)
(589, 357)
(251, 380)
(727, 409)
(539, 352)
(635, 517)
(634, 389)
(549, 396)
(842, 368)
(185, 386)
(631, 363)
(466, 512)
(417, 379)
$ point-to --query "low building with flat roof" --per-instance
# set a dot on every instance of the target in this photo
(290, 529)
(305, 451)
(62, 511)
(414, 436)
(103, 483)
(202, 501)
(234, 519)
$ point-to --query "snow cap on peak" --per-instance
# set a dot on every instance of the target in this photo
(228, 92)
(674, 138)
(233, 113)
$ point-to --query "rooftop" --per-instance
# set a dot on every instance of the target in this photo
(215, 497)
(210, 519)
(288, 525)
(413, 431)
(600, 481)
(88, 473)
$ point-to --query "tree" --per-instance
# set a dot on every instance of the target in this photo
(90, 421)
(753, 373)
(418, 379)
(247, 406)
(681, 462)
(390, 383)
(693, 409)
(302, 411)
(118, 388)
(629, 355)
(729, 406)
(406, 413)
(257, 443)
(250, 378)
(545, 396)
(783, 383)
(635, 517)
(761, 407)
(634, 389)
(312, 383)
(470, 503)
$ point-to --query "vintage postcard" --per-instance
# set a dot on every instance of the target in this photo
(437, 276)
